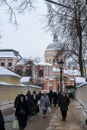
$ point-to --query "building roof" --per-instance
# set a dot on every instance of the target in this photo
(9, 53)
(20, 62)
(79, 80)
(72, 72)
(55, 45)
(56, 69)
(25, 79)
(44, 64)
(6, 72)
(10, 85)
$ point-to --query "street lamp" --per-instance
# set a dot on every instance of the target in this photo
(61, 67)
(65, 80)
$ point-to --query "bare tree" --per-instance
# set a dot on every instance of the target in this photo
(70, 20)
(16, 6)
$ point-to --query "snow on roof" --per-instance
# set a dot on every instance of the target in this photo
(34, 86)
(82, 84)
(35, 63)
(22, 85)
(7, 54)
(21, 62)
(68, 71)
(7, 84)
(55, 45)
(25, 79)
(56, 69)
(6, 72)
(71, 78)
(79, 80)
(51, 78)
(44, 64)
(72, 72)
(44, 91)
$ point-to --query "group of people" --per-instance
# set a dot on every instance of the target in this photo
(61, 99)
(28, 105)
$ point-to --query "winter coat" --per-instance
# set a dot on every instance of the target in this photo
(16, 101)
(30, 104)
(55, 97)
(64, 102)
(44, 102)
(22, 112)
(2, 124)
(50, 95)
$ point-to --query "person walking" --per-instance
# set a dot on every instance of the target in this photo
(16, 101)
(64, 101)
(22, 112)
(34, 101)
(50, 95)
(44, 103)
(2, 123)
(55, 99)
(29, 101)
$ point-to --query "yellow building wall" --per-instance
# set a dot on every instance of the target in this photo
(10, 79)
(8, 94)
(51, 57)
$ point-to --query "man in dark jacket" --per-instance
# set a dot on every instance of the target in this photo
(64, 101)
(2, 124)
(50, 95)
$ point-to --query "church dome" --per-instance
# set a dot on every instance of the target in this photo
(55, 45)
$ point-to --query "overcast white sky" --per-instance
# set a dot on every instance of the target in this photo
(29, 39)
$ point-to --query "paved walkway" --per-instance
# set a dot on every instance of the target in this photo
(6, 106)
(75, 119)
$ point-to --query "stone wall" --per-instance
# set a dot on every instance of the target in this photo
(81, 95)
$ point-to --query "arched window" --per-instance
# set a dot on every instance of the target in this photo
(40, 73)
(29, 72)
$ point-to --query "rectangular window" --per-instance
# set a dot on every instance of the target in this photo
(9, 64)
(2, 64)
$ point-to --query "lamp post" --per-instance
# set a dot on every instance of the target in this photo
(61, 67)
(65, 80)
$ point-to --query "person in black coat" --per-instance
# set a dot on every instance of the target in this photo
(34, 101)
(55, 98)
(30, 103)
(50, 95)
(2, 123)
(64, 101)
(22, 111)
(16, 101)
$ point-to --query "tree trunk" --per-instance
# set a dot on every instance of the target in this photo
(80, 49)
